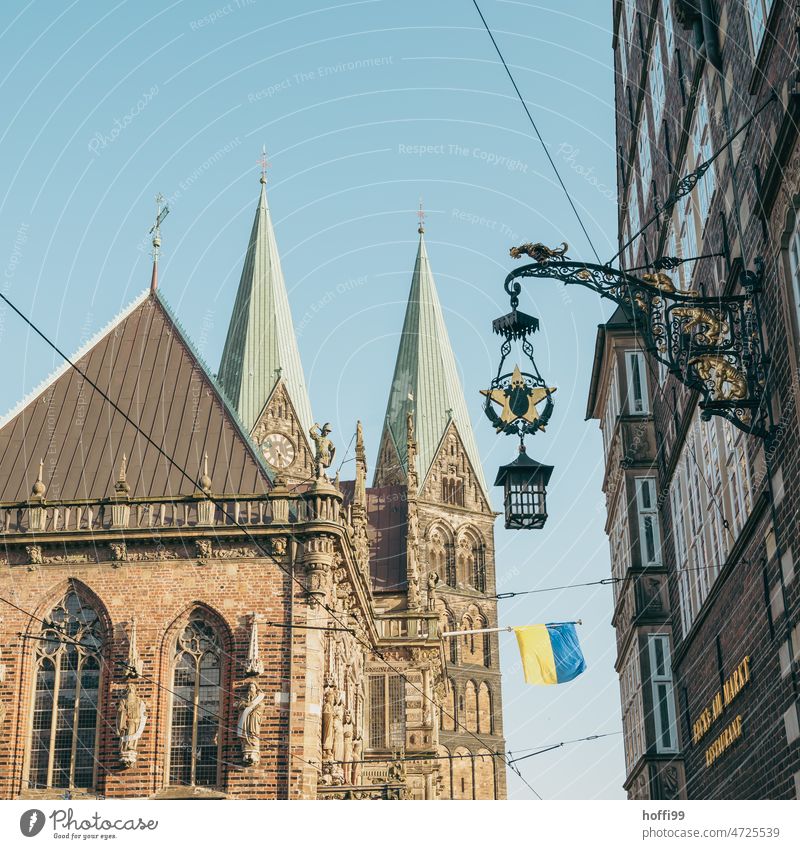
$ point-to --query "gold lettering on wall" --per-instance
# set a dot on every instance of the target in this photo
(731, 688)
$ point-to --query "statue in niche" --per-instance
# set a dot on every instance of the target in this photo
(131, 720)
(433, 583)
(338, 731)
(249, 727)
(347, 733)
(358, 753)
(328, 704)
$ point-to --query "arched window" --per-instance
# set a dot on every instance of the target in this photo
(195, 720)
(478, 566)
(487, 645)
(67, 690)
(451, 626)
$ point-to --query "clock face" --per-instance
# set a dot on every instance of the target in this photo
(278, 450)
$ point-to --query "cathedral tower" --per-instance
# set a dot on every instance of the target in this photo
(260, 369)
(428, 447)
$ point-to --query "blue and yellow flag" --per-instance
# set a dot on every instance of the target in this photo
(551, 654)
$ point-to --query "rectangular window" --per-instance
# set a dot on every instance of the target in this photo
(387, 712)
(688, 235)
(630, 684)
(701, 137)
(681, 552)
(634, 222)
(663, 696)
(649, 530)
(758, 12)
(794, 269)
(657, 84)
(669, 30)
(645, 158)
(638, 403)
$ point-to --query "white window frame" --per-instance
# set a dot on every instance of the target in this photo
(647, 510)
(794, 268)
(658, 84)
(645, 158)
(758, 14)
(661, 684)
(669, 30)
(635, 363)
(701, 139)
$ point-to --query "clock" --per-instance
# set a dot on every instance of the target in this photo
(278, 450)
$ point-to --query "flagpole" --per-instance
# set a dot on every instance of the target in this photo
(497, 630)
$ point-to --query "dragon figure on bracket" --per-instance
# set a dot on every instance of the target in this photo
(712, 345)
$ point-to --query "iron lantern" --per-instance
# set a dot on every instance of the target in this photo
(524, 483)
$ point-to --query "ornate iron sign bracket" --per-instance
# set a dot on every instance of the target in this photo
(713, 345)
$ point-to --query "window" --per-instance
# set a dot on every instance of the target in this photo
(67, 689)
(794, 266)
(637, 383)
(701, 137)
(611, 410)
(669, 30)
(681, 552)
(630, 685)
(688, 235)
(657, 84)
(649, 532)
(645, 159)
(478, 578)
(453, 491)
(195, 721)
(663, 697)
(450, 563)
(622, 49)
(453, 641)
(758, 13)
(630, 11)
(634, 221)
(387, 712)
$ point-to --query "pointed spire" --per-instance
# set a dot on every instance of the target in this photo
(253, 665)
(121, 486)
(425, 386)
(261, 347)
(360, 490)
(134, 663)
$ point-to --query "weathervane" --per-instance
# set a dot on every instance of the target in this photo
(162, 211)
(421, 216)
(263, 161)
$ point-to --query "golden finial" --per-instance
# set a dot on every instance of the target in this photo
(121, 485)
(263, 161)
(205, 480)
(39, 488)
(421, 216)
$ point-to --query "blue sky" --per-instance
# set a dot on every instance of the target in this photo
(364, 107)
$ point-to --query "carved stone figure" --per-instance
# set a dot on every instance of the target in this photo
(338, 731)
(131, 720)
(279, 545)
(119, 552)
(203, 549)
(347, 732)
(328, 704)
(358, 753)
(324, 448)
(433, 583)
(253, 665)
(248, 729)
(34, 554)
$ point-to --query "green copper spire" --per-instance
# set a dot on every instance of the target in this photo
(425, 382)
(261, 345)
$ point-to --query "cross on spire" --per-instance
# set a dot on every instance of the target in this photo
(421, 216)
(264, 162)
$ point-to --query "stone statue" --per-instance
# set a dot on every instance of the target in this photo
(338, 731)
(328, 703)
(358, 753)
(203, 549)
(324, 448)
(249, 727)
(347, 732)
(433, 582)
(131, 719)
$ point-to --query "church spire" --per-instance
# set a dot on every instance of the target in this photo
(425, 386)
(261, 347)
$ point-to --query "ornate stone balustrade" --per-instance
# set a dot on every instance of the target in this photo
(408, 625)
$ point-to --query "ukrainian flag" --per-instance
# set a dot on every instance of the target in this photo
(551, 654)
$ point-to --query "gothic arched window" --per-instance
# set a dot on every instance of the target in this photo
(195, 721)
(479, 566)
(67, 690)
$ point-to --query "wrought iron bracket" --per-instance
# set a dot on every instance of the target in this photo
(713, 345)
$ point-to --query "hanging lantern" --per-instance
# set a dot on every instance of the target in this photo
(524, 485)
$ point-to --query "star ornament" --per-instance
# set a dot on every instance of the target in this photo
(518, 400)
